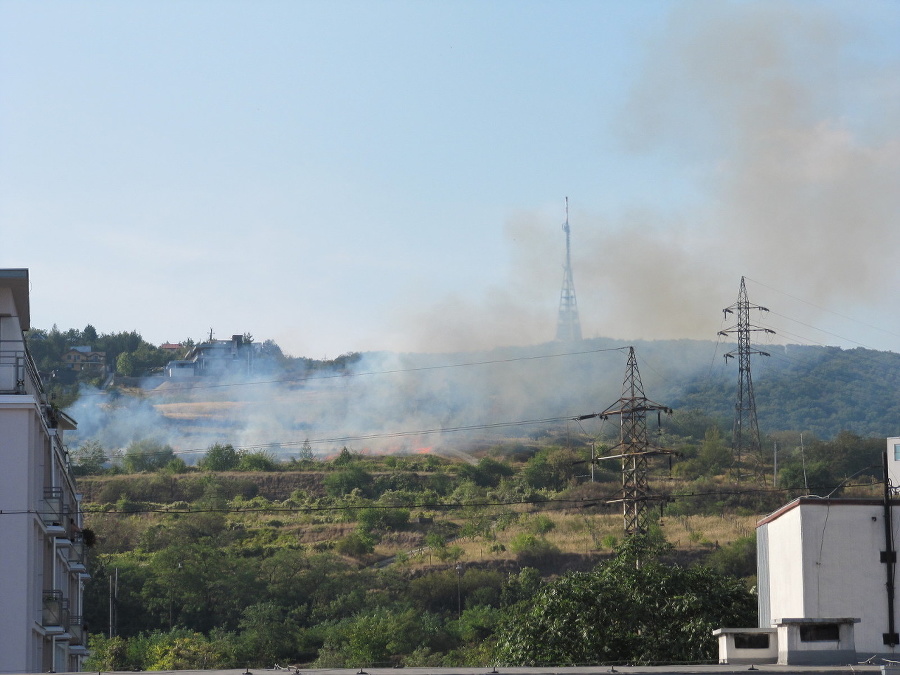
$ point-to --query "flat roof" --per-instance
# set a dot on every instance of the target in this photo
(17, 280)
(824, 501)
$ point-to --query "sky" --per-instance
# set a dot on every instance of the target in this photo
(346, 176)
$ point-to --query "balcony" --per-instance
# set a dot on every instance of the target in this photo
(54, 513)
(77, 553)
(77, 631)
(18, 374)
(55, 611)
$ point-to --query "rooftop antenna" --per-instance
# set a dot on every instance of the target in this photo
(568, 327)
(745, 433)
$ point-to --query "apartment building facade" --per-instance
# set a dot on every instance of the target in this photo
(42, 544)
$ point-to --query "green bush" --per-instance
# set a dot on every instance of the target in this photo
(220, 458)
(356, 545)
(532, 550)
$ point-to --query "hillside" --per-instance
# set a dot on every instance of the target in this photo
(317, 566)
(451, 403)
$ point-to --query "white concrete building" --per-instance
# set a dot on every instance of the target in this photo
(215, 358)
(820, 558)
(42, 545)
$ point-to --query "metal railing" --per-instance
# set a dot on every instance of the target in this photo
(55, 512)
(76, 630)
(52, 512)
(18, 374)
(55, 610)
(77, 551)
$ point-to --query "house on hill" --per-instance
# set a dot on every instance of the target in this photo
(215, 358)
(84, 358)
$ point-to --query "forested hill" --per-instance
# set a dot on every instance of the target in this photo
(817, 389)
(823, 390)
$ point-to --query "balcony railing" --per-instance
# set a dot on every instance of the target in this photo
(52, 512)
(18, 374)
(55, 610)
(56, 513)
(76, 630)
(77, 552)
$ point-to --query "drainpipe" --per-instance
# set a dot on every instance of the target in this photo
(889, 558)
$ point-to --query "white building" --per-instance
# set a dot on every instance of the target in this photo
(41, 541)
(819, 558)
(215, 358)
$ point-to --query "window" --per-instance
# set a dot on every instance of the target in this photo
(820, 632)
(897, 452)
(751, 640)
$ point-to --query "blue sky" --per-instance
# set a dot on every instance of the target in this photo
(354, 176)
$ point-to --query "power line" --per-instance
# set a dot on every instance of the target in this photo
(825, 309)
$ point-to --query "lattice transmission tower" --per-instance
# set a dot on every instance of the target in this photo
(635, 448)
(745, 433)
(568, 326)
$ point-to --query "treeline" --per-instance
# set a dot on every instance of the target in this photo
(48, 347)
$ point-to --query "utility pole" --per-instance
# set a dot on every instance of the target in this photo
(745, 433)
(634, 448)
(568, 326)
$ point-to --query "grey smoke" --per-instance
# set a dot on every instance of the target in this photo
(785, 151)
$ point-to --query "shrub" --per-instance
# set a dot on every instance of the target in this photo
(220, 458)
(356, 545)
(532, 550)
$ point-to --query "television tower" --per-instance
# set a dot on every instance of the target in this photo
(745, 434)
(568, 327)
(634, 448)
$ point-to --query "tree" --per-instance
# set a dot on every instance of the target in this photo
(220, 458)
(306, 453)
(373, 637)
(267, 635)
(256, 461)
(147, 455)
(125, 364)
(551, 468)
(487, 473)
(89, 334)
(531, 550)
(88, 459)
(346, 480)
(622, 612)
(356, 544)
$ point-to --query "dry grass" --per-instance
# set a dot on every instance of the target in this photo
(206, 410)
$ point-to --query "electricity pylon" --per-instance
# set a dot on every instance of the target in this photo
(745, 433)
(568, 326)
(634, 448)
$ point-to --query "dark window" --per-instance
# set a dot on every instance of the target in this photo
(751, 640)
(820, 632)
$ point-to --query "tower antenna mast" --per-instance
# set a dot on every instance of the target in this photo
(568, 326)
(745, 433)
